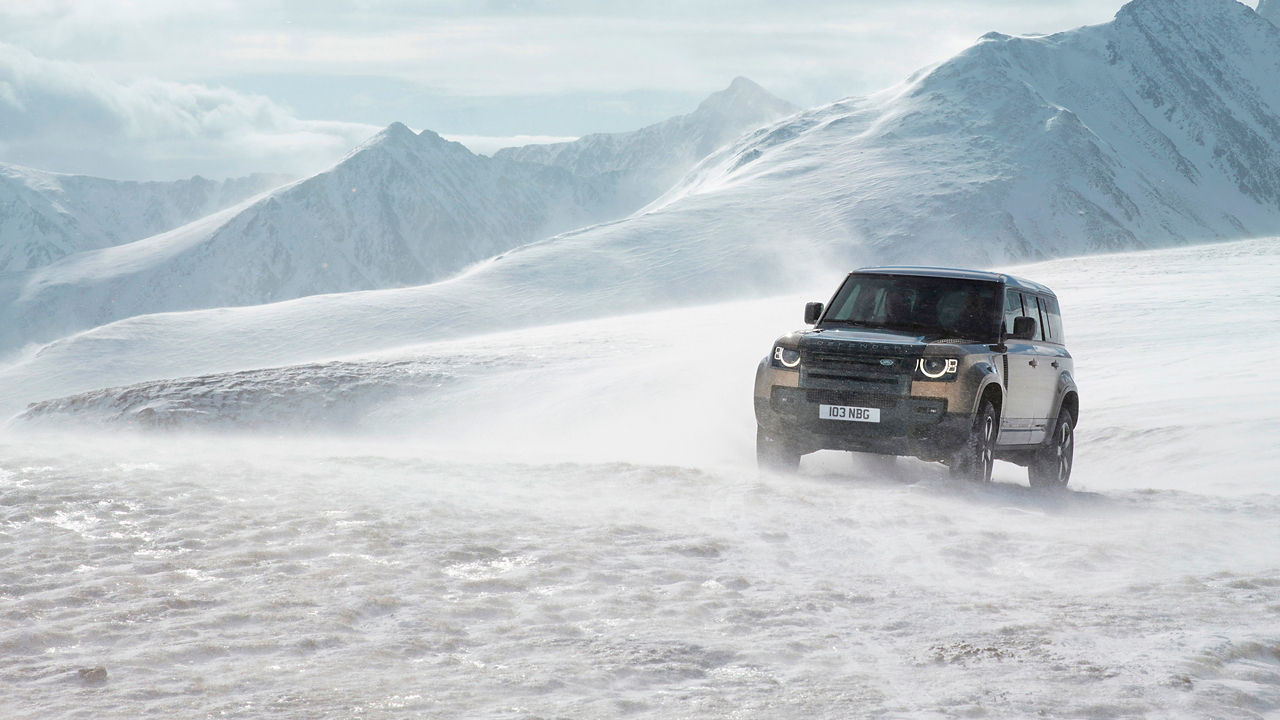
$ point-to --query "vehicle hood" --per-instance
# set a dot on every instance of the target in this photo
(892, 342)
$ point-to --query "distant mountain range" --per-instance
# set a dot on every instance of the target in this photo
(403, 209)
(45, 216)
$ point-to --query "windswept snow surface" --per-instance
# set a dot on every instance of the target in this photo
(566, 521)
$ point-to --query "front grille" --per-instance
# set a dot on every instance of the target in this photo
(852, 367)
(835, 397)
(859, 367)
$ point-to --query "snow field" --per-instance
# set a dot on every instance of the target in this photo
(567, 521)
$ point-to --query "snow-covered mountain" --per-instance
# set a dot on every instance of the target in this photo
(1270, 9)
(402, 209)
(45, 216)
(650, 160)
(1160, 127)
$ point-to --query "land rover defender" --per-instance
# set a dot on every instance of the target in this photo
(956, 366)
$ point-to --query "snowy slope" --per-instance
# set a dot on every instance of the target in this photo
(1145, 328)
(1160, 127)
(568, 519)
(1270, 9)
(650, 160)
(46, 216)
(1164, 304)
(402, 209)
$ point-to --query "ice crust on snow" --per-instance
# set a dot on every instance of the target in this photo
(331, 578)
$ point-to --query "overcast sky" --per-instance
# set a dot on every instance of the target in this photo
(157, 89)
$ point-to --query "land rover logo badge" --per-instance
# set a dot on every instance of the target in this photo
(886, 362)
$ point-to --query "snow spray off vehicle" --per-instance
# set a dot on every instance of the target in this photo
(956, 366)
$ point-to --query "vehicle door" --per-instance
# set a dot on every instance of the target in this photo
(1054, 358)
(1047, 361)
(1021, 363)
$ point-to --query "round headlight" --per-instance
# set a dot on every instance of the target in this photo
(786, 356)
(937, 368)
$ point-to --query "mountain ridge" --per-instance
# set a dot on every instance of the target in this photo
(402, 209)
(1107, 137)
(45, 216)
(647, 159)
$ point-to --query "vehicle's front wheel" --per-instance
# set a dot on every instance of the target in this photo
(974, 459)
(1051, 467)
(774, 453)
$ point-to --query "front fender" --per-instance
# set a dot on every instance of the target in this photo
(985, 379)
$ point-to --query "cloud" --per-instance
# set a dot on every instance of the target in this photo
(66, 117)
(475, 67)
(509, 47)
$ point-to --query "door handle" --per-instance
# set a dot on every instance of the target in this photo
(1033, 362)
(1055, 363)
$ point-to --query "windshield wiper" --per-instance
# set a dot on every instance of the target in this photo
(854, 323)
(926, 328)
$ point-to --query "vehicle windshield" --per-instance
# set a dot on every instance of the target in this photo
(942, 307)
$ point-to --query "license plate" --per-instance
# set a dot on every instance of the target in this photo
(850, 414)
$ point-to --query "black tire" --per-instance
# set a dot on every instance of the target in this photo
(1051, 467)
(774, 453)
(974, 459)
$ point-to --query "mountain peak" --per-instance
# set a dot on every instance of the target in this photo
(396, 132)
(1270, 9)
(742, 94)
(399, 138)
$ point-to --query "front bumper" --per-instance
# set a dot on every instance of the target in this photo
(909, 424)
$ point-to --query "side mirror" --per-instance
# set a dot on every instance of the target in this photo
(1024, 328)
(812, 312)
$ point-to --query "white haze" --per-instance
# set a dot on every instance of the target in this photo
(530, 490)
(488, 144)
(566, 521)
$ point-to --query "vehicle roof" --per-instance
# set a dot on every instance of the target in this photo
(957, 273)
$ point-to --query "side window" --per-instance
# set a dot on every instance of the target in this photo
(1040, 315)
(1012, 309)
(1049, 307)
